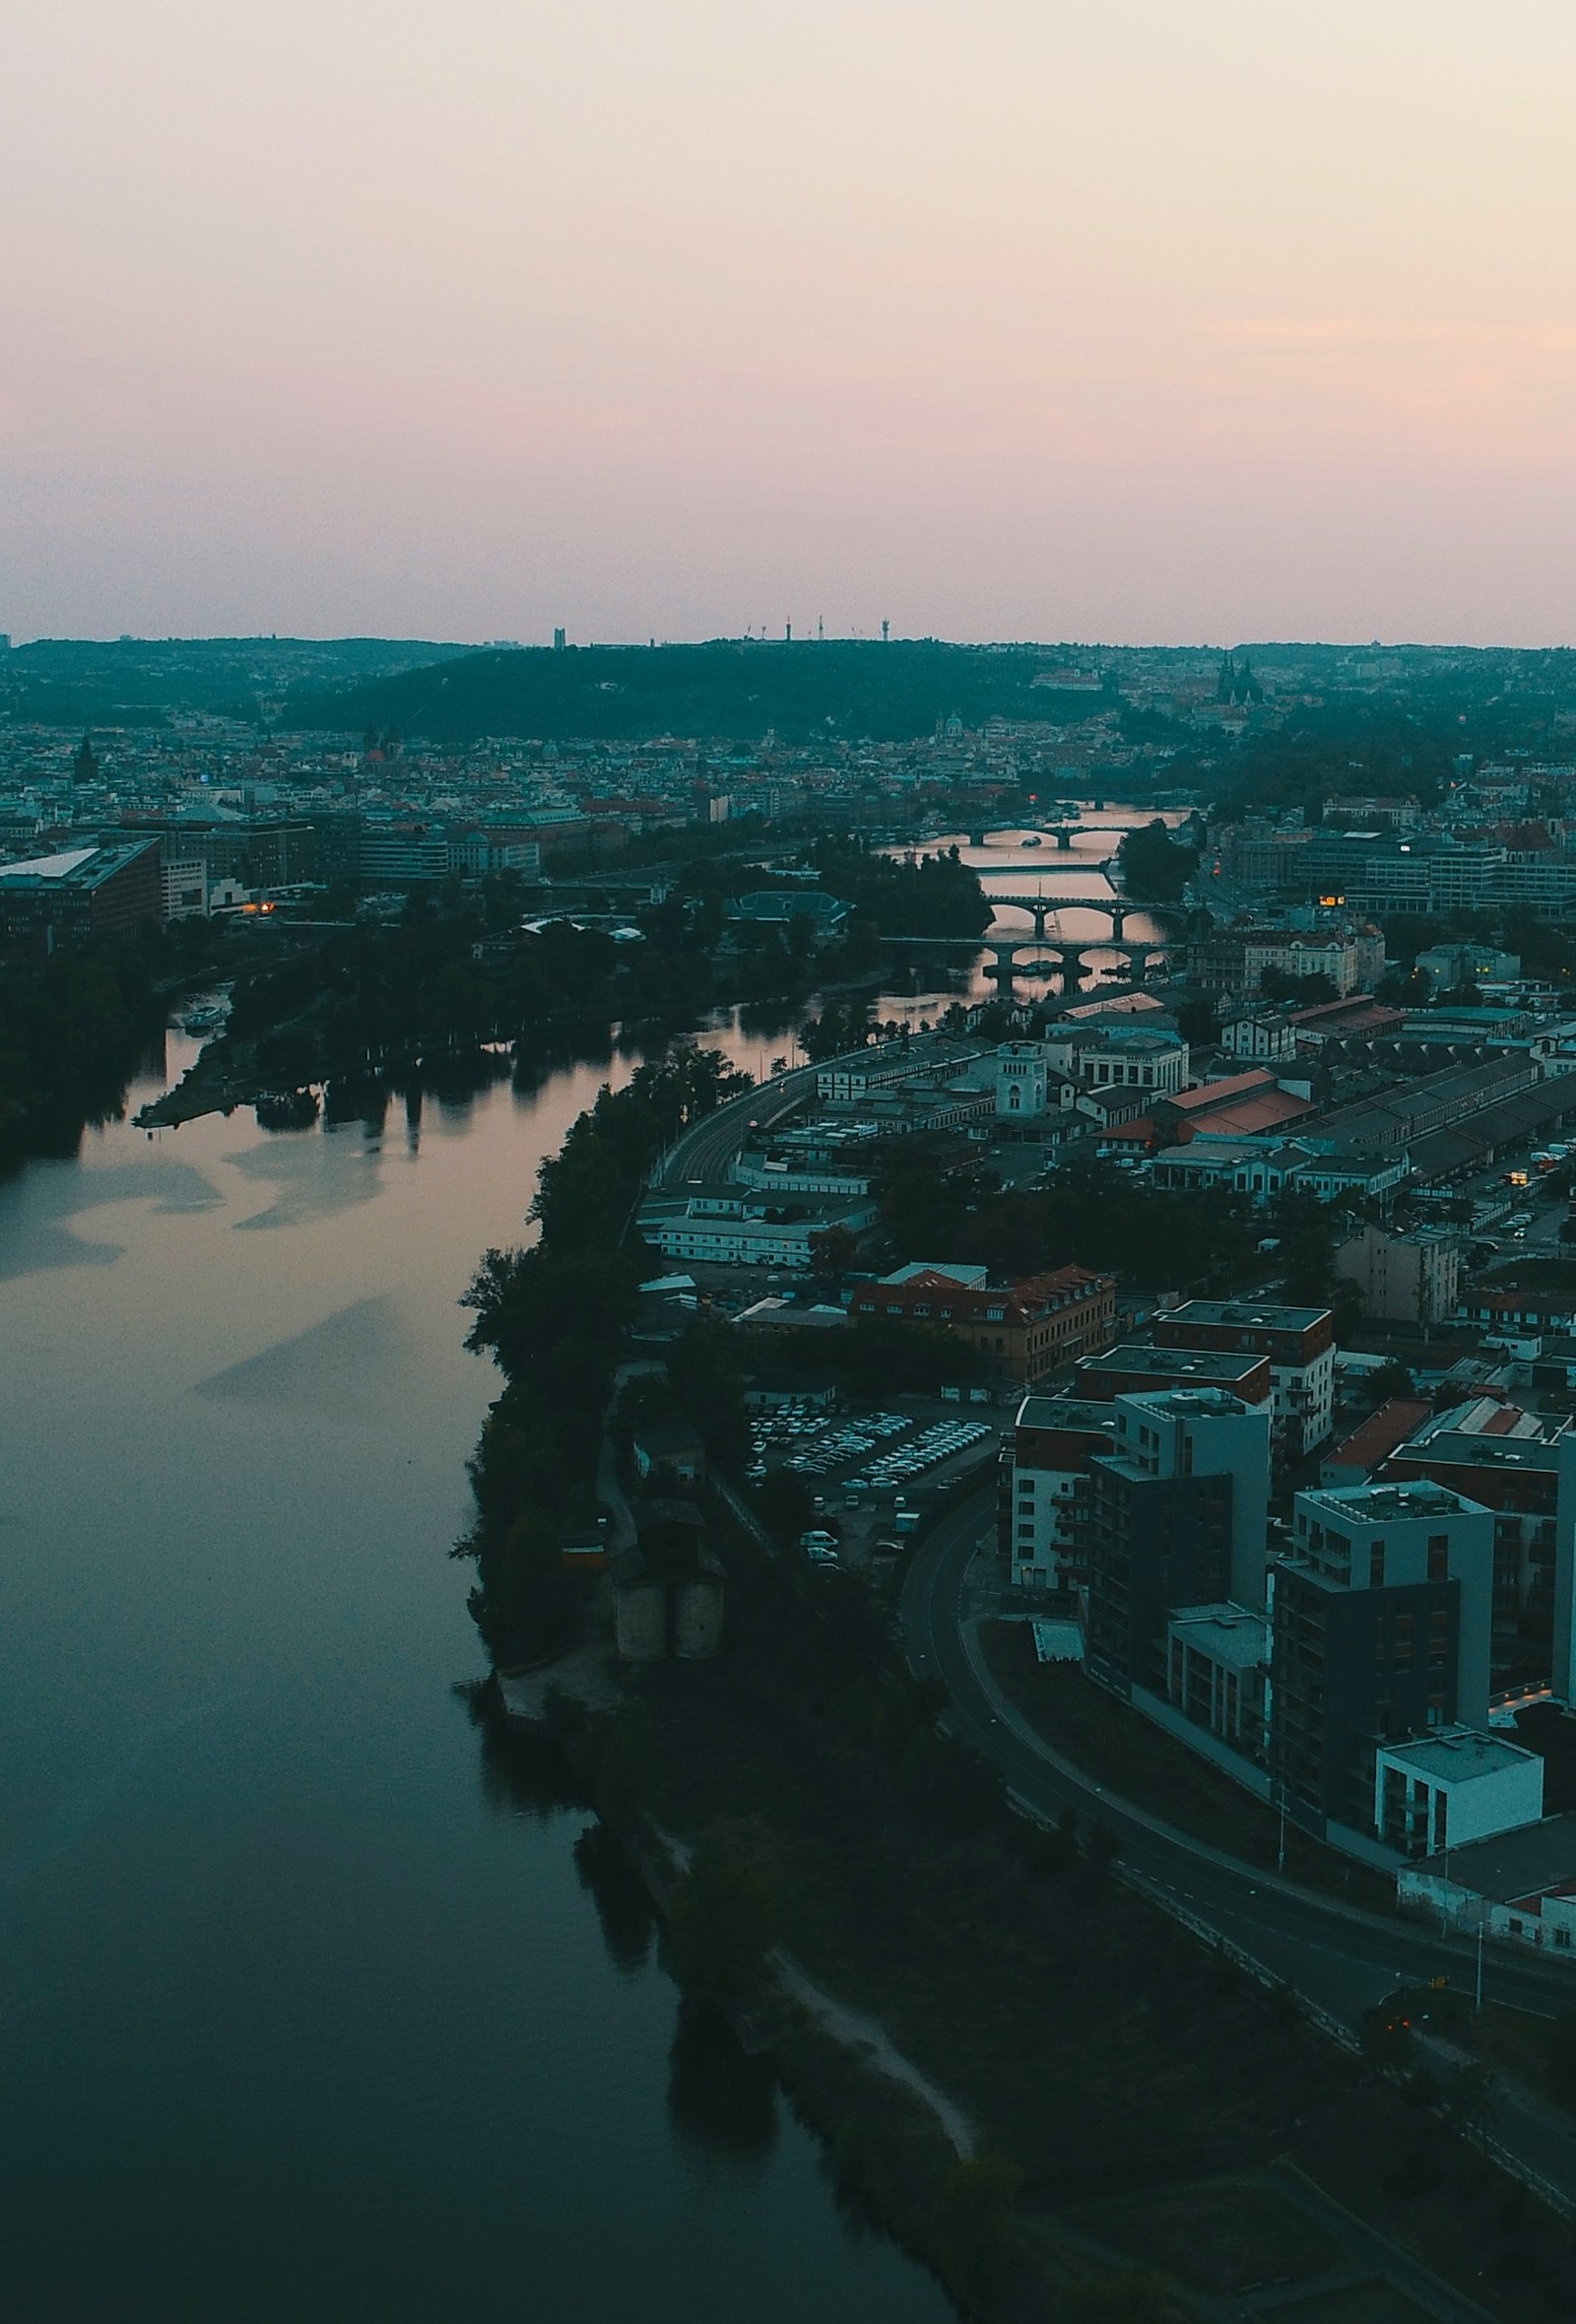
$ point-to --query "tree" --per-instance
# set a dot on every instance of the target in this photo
(1392, 1379)
(1132, 2297)
(1155, 867)
(832, 1254)
(1279, 984)
(709, 1386)
(1561, 2042)
(1196, 1022)
(528, 1597)
(1307, 1252)
(785, 1502)
(722, 1921)
(974, 2227)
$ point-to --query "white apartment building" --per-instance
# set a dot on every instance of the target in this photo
(1045, 1489)
(1446, 1790)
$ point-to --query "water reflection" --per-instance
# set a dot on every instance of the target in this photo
(522, 1774)
(626, 1913)
(719, 2099)
(303, 2010)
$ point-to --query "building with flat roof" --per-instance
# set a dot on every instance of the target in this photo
(1449, 1789)
(1299, 1343)
(1382, 1615)
(49, 901)
(1521, 1465)
(1044, 1501)
(1519, 1884)
(1178, 1510)
(1410, 1278)
(1134, 1368)
(1218, 1674)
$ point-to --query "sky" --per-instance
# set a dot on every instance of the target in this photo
(1129, 320)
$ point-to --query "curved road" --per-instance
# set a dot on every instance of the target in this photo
(702, 1154)
(1337, 1956)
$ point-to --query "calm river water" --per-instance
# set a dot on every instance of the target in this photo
(306, 2010)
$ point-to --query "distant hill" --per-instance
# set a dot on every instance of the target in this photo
(887, 693)
(139, 681)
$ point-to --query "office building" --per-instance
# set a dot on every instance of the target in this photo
(50, 901)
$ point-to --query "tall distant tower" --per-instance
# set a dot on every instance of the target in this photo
(83, 766)
(886, 632)
(559, 641)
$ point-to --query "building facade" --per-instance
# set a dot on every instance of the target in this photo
(1382, 1617)
(1299, 1343)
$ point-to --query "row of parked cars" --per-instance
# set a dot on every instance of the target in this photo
(937, 1443)
(826, 1446)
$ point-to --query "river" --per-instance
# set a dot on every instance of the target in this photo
(306, 2008)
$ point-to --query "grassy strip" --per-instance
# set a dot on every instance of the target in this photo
(1118, 1747)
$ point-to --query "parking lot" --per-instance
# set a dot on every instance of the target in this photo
(867, 1469)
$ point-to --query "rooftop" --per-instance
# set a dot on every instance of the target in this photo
(1079, 1413)
(1262, 1315)
(1379, 1435)
(1185, 1404)
(1374, 1503)
(1516, 1865)
(1457, 1755)
(1227, 1633)
(1209, 1367)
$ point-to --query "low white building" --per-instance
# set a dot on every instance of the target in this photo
(1117, 1053)
(1446, 1790)
(1520, 1885)
(1217, 1672)
(723, 1233)
(1264, 1036)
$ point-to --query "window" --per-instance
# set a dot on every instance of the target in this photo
(1439, 1557)
(1376, 1564)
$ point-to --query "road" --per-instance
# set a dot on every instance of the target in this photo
(1338, 1958)
(702, 1156)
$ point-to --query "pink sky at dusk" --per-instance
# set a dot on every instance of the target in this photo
(1134, 319)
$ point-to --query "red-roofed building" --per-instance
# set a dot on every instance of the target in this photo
(1354, 1459)
(1241, 1105)
(1025, 1331)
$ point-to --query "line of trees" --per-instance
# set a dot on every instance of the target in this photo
(552, 1316)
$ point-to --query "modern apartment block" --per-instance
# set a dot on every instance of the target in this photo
(1045, 1513)
(1177, 1517)
(1299, 1343)
(1521, 1465)
(1382, 1616)
(1134, 1368)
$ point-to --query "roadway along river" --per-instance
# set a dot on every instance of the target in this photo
(306, 2010)
(1342, 1959)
